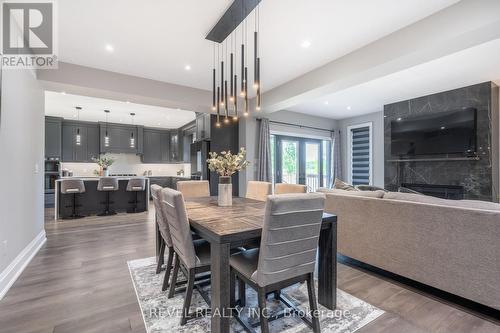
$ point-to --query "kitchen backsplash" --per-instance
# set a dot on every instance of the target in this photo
(128, 164)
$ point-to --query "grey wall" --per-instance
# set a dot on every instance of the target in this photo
(22, 167)
(249, 133)
(377, 120)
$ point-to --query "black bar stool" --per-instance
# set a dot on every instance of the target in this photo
(108, 185)
(73, 186)
(135, 185)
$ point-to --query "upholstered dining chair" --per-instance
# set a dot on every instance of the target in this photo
(191, 257)
(287, 254)
(283, 188)
(194, 188)
(258, 190)
(166, 238)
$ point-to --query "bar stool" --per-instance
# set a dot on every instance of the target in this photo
(135, 185)
(73, 186)
(108, 185)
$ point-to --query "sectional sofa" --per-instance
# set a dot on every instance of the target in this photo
(450, 245)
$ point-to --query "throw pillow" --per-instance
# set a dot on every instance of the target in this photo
(370, 188)
(402, 189)
(340, 185)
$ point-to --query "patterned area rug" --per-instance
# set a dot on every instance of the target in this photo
(162, 314)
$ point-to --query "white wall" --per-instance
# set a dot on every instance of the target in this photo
(377, 120)
(128, 163)
(21, 171)
(249, 136)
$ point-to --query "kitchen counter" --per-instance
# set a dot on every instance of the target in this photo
(92, 200)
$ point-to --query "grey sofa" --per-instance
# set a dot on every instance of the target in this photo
(450, 245)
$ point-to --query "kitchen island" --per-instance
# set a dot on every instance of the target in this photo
(91, 202)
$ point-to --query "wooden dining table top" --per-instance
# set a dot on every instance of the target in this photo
(241, 221)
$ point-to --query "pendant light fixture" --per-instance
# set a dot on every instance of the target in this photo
(78, 137)
(106, 136)
(132, 139)
(227, 92)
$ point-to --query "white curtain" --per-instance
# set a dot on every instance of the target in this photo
(335, 162)
(264, 157)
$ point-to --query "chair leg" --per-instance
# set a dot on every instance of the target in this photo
(312, 303)
(264, 322)
(187, 298)
(173, 282)
(169, 268)
(161, 256)
(242, 292)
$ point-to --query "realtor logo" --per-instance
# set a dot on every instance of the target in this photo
(28, 35)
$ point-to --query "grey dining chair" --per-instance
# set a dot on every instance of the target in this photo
(283, 188)
(73, 187)
(135, 185)
(192, 257)
(258, 190)
(287, 253)
(166, 238)
(194, 188)
(108, 185)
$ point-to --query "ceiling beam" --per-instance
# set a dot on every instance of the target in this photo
(461, 26)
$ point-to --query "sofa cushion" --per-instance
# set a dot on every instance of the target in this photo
(341, 185)
(475, 204)
(408, 190)
(370, 188)
(366, 194)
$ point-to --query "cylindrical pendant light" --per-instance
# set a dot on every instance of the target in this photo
(235, 118)
(218, 107)
(255, 76)
(132, 139)
(106, 137)
(226, 119)
(213, 80)
(231, 97)
(78, 137)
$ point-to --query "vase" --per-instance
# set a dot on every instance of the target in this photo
(106, 172)
(225, 197)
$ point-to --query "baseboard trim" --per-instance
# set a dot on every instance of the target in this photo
(17, 266)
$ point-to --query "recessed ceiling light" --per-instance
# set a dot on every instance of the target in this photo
(128, 102)
(348, 107)
(399, 119)
(187, 67)
(326, 102)
(109, 48)
(159, 124)
(63, 92)
(305, 44)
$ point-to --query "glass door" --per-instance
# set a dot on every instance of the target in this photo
(312, 165)
(289, 161)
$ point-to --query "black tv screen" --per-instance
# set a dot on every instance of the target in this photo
(451, 132)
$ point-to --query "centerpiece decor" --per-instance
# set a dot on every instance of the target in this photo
(226, 165)
(104, 162)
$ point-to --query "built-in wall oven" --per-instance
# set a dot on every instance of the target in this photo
(52, 174)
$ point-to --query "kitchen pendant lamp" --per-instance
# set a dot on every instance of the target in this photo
(78, 137)
(106, 136)
(132, 139)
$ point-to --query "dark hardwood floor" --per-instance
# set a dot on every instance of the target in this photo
(79, 282)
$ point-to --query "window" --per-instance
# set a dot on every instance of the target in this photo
(298, 160)
(360, 154)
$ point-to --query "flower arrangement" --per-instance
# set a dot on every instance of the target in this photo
(227, 164)
(104, 162)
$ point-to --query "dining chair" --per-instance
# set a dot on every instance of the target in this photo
(191, 257)
(283, 188)
(166, 238)
(258, 190)
(287, 254)
(194, 188)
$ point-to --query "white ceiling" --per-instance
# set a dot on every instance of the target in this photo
(157, 39)
(467, 67)
(63, 105)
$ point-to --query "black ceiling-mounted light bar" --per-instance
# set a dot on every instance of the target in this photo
(236, 15)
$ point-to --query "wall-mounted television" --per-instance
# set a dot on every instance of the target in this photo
(452, 132)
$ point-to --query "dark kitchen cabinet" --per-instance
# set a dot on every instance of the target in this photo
(88, 147)
(53, 133)
(119, 138)
(203, 128)
(156, 146)
(176, 146)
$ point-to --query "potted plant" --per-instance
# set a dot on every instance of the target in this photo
(104, 162)
(226, 165)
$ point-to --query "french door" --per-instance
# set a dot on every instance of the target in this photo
(300, 161)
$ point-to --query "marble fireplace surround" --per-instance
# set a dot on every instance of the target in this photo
(479, 178)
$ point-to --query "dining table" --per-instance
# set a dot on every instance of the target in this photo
(226, 228)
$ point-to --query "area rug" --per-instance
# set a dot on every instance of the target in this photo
(162, 314)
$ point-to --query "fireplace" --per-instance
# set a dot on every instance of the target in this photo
(453, 192)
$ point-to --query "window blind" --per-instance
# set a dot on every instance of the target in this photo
(360, 155)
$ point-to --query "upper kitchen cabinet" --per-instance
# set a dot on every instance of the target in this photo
(80, 141)
(156, 146)
(119, 139)
(53, 132)
(176, 143)
(202, 126)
